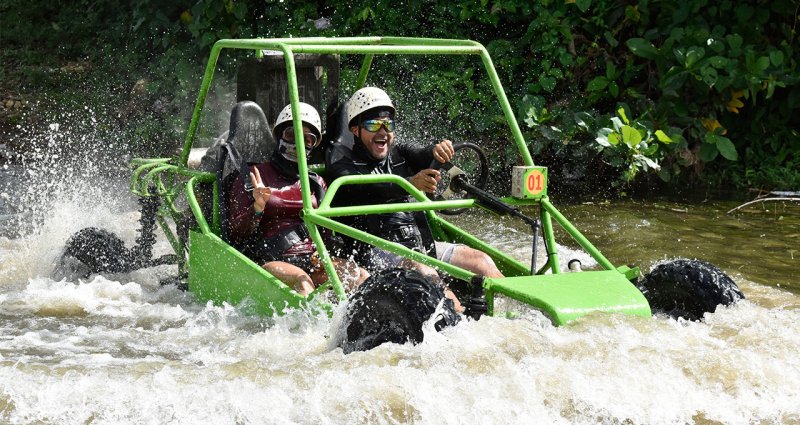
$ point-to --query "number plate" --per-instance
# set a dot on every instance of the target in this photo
(529, 182)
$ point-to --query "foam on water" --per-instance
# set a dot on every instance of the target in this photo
(93, 361)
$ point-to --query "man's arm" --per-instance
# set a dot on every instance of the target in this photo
(419, 157)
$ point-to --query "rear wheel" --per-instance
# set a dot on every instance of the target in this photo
(391, 306)
(688, 289)
(100, 250)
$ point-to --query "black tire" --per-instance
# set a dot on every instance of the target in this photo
(391, 306)
(688, 289)
(100, 250)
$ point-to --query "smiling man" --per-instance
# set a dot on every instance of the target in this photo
(371, 121)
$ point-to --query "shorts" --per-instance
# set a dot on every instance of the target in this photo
(381, 259)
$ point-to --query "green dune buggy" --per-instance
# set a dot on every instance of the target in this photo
(392, 305)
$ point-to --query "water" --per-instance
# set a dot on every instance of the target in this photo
(761, 243)
(124, 349)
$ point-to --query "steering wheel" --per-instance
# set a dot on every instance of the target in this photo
(470, 162)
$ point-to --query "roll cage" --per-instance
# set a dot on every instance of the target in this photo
(171, 177)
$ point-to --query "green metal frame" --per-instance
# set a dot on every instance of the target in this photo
(215, 268)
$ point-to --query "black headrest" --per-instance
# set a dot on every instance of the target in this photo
(339, 137)
(250, 132)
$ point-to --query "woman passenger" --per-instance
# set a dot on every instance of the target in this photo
(268, 224)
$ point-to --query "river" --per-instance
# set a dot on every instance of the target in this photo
(124, 349)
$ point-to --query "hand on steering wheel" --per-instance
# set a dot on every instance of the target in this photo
(443, 152)
(470, 164)
(426, 180)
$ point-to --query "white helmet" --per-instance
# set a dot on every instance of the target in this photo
(308, 114)
(365, 99)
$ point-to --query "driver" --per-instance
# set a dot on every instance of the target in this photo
(371, 119)
(268, 224)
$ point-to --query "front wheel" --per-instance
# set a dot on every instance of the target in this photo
(392, 306)
(688, 289)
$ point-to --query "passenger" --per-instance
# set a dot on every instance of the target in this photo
(370, 116)
(268, 224)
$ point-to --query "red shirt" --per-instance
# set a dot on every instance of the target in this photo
(281, 212)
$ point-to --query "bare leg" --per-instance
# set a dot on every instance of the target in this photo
(291, 275)
(349, 272)
(475, 261)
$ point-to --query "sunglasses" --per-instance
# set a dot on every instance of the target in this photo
(308, 138)
(374, 126)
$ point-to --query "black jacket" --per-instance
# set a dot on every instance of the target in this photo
(403, 160)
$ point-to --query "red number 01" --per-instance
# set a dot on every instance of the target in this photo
(535, 182)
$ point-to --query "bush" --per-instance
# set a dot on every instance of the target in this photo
(684, 74)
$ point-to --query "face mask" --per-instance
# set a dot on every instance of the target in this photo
(287, 150)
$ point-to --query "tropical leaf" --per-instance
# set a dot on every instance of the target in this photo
(776, 57)
(621, 113)
(643, 48)
(724, 146)
(662, 137)
(617, 123)
(597, 84)
(582, 119)
(583, 5)
(708, 152)
(602, 137)
(631, 136)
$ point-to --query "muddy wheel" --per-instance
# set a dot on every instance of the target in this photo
(391, 306)
(100, 251)
(688, 289)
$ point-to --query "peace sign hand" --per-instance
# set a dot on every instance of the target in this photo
(261, 193)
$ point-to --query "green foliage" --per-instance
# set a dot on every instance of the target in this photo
(632, 145)
(713, 86)
(694, 69)
(706, 60)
